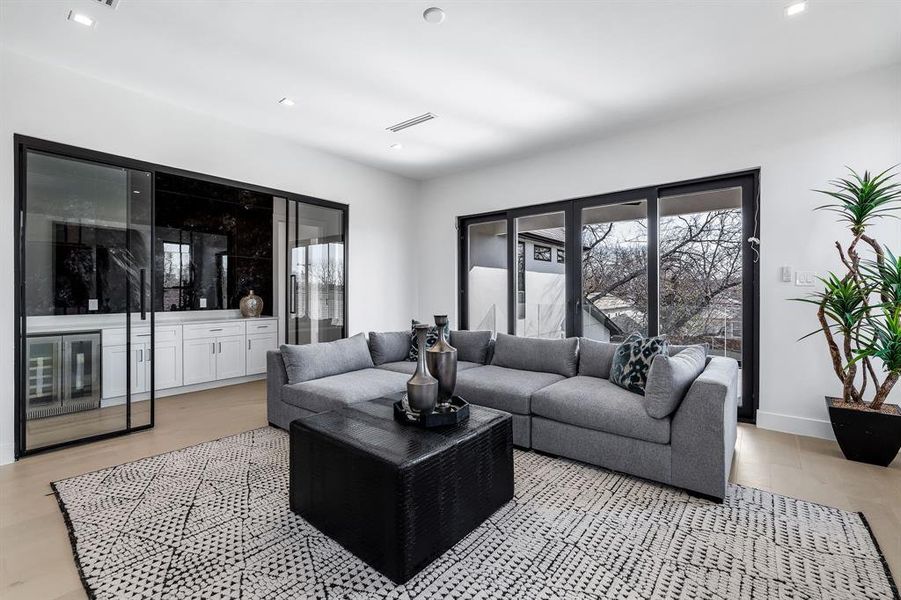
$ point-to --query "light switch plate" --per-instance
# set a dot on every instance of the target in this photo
(203, 303)
(93, 304)
(785, 274)
(805, 278)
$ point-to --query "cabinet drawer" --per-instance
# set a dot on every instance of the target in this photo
(116, 336)
(254, 327)
(212, 330)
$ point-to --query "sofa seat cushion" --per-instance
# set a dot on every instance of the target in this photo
(597, 404)
(501, 388)
(329, 393)
(405, 366)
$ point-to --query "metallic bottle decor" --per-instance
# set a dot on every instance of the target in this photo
(442, 361)
(422, 388)
(251, 305)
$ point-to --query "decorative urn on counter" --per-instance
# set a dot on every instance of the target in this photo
(251, 305)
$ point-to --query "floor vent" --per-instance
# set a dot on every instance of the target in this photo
(411, 122)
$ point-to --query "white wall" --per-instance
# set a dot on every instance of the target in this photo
(60, 105)
(799, 139)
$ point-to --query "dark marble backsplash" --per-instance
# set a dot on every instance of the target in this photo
(212, 242)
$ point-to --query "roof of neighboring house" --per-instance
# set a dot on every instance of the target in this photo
(602, 318)
(609, 302)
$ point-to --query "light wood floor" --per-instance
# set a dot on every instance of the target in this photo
(36, 560)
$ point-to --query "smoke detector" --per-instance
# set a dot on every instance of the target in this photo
(433, 15)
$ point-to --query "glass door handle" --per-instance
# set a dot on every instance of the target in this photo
(293, 294)
(143, 283)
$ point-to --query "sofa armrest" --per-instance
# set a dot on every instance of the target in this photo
(704, 430)
(276, 377)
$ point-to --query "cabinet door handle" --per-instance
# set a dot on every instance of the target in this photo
(214, 348)
(140, 355)
(248, 344)
(212, 330)
(220, 347)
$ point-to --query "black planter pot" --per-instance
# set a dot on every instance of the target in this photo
(865, 436)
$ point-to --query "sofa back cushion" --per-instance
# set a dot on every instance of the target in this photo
(669, 379)
(314, 361)
(389, 346)
(595, 358)
(536, 354)
(632, 361)
(675, 349)
(472, 346)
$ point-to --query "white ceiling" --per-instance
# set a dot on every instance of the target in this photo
(505, 78)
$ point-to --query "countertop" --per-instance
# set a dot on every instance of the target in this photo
(74, 323)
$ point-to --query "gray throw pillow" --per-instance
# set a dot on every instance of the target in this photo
(596, 358)
(669, 379)
(536, 354)
(305, 363)
(633, 360)
(389, 346)
(472, 346)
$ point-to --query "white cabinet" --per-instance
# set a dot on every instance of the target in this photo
(167, 369)
(186, 354)
(230, 357)
(213, 351)
(257, 346)
(200, 360)
(115, 367)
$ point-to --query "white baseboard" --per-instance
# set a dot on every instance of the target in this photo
(7, 454)
(798, 425)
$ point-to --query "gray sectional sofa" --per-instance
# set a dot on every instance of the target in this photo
(682, 432)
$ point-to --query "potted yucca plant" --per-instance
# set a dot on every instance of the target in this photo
(859, 313)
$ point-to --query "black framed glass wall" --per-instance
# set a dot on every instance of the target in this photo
(114, 254)
(670, 259)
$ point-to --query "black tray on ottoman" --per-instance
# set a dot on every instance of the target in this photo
(457, 413)
(399, 496)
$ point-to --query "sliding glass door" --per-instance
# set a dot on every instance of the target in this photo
(671, 260)
(614, 269)
(316, 273)
(541, 275)
(83, 320)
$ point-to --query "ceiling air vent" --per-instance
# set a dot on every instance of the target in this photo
(411, 122)
(109, 3)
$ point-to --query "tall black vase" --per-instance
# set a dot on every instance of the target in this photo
(442, 361)
(422, 388)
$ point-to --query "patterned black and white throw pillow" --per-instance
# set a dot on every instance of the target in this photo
(632, 361)
(431, 339)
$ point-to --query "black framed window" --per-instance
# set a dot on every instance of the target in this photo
(542, 253)
(669, 259)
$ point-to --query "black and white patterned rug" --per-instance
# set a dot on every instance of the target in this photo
(212, 521)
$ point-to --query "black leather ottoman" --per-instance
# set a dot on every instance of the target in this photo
(399, 496)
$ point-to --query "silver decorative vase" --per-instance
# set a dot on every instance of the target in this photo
(251, 305)
(422, 388)
(442, 361)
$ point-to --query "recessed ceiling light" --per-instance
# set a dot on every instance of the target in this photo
(81, 19)
(433, 15)
(396, 146)
(795, 8)
(286, 102)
